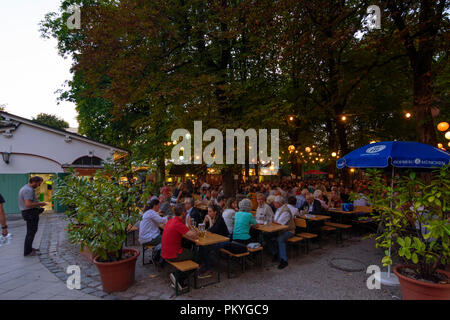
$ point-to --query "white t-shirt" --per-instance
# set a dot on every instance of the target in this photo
(228, 217)
(149, 226)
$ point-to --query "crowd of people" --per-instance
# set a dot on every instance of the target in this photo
(177, 209)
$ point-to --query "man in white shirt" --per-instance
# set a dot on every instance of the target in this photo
(283, 216)
(149, 233)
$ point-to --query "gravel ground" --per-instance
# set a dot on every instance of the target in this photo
(308, 276)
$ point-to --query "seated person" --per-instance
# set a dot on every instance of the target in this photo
(312, 206)
(318, 195)
(243, 220)
(292, 201)
(264, 212)
(193, 214)
(149, 234)
(301, 198)
(335, 200)
(171, 248)
(164, 206)
(283, 216)
(214, 223)
(228, 214)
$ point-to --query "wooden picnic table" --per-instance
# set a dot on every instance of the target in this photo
(208, 240)
(316, 217)
(272, 227)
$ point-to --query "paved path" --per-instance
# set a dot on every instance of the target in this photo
(308, 276)
(25, 278)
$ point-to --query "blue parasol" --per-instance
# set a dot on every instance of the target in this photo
(398, 154)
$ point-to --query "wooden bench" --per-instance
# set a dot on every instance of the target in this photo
(255, 251)
(295, 240)
(340, 227)
(301, 223)
(186, 266)
(146, 248)
(131, 230)
(239, 256)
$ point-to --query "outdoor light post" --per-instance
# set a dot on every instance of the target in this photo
(6, 156)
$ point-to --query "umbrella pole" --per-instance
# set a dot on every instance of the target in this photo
(387, 278)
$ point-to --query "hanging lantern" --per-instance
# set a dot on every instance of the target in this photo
(447, 135)
(334, 154)
(308, 149)
(440, 146)
(443, 126)
(291, 148)
(407, 115)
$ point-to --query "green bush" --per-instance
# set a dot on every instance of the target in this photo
(100, 209)
(415, 217)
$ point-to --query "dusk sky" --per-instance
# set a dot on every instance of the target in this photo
(30, 68)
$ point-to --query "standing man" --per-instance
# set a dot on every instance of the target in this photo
(3, 217)
(31, 209)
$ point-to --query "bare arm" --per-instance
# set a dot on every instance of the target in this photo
(191, 235)
(30, 204)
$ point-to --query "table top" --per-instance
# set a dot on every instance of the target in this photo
(341, 211)
(272, 227)
(316, 217)
(211, 238)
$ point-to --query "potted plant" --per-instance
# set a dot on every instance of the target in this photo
(100, 209)
(415, 220)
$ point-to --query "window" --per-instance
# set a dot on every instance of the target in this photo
(88, 161)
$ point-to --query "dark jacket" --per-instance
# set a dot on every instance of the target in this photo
(219, 227)
(197, 215)
(317, 207)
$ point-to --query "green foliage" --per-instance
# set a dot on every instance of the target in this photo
(415, 216)
(100, 209)
(51, 120)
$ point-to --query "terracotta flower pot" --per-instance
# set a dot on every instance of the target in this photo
(419, 290)
(119, 275)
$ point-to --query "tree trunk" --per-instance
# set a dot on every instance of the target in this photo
(228, 184)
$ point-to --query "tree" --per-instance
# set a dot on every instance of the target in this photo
(421, 27)
(51, 120)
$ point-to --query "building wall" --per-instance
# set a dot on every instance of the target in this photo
(48, 148)
(10, 185)
(38, 150)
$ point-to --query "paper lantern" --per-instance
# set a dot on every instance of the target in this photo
(291, 148)
(308, 149)
(447, 135)
(334, 154)
(440, 145)
(443, 126)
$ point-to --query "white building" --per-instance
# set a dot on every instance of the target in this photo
(29, 148)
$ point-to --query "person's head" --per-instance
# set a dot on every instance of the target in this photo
(162, 198)
(309, 198)
(214, 210)
(261, 199)
(229, 203)
(35, 181)
(221, 201)
(305, 192)
(245, 205)
(214, 194)
(180, 211)
(317, 194)
(292, 200)
(153, 205)
(188, 203)
(279, 201)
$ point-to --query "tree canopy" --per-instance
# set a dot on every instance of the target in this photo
(51, 120)
(145, 68)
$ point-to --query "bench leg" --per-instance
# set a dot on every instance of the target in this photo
(195, 278)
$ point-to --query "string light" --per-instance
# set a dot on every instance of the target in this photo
(408, 115)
